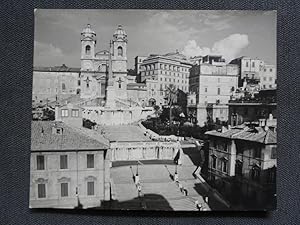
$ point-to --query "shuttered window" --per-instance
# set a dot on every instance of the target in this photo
(90, 188)
(64, 161)
(41, 190)
(64, 190)
(40, 160)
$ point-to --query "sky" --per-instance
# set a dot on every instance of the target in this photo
(229, 33)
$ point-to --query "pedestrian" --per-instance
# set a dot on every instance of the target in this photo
(199, 206)
(180, 187)
(139, 189)
(176, 177)
(137, 179)
(185, 191)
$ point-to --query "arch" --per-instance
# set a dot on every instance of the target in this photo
(87, 50)
(120, 51)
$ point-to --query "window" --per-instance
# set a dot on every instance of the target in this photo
(64, 192)
(90, 188)
(219, 91)
(87, 50)
(265, 78)
(64, 112)
(64, 161)
(90, 160)
(239, 168)
(271, 176)
(270, 78)
(255, 173)
(247, 64)
(78, 82)
(40, 162)
(58, 130)
(224, 165)
(274, 153)
(63, 86)
(75, 112)
(271, 70)
(41, 190)
(253, 64)
(257, 153)
(205, 90)
(214, 162)
(120, 51)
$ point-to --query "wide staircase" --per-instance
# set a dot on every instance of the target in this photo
(125, 189)
(162, 193)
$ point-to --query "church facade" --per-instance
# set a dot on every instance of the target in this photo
(104, 73)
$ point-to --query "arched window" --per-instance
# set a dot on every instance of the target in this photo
(63, 86)
(120, 51)
(87, 50)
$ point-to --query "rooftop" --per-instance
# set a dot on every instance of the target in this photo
(242, 132)
(69, 138)
(62, 68)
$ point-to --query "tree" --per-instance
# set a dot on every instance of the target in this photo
(171, 96)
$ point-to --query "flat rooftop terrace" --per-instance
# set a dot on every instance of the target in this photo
(124, 133)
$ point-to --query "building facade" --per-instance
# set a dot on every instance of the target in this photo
(99, 67)
(250, 69)
(261, 106)
(161, 71)
(256, 71)
(268, 79)
(68, 168)
(51, 83)
(242, 165)
(212, 82)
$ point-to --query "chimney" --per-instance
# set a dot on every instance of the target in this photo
(223, 129)
(270, 116)
(266, 128)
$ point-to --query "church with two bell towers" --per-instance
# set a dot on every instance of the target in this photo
(103, 73)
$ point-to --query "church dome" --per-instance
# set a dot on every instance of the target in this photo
(88, 30)
(120, 33)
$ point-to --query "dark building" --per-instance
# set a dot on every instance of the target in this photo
(246, 109)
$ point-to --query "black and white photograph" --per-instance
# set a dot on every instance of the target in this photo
(154, 110)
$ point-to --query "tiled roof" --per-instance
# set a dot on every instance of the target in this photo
(42, 138)
(257, 134)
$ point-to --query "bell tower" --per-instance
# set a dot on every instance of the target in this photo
(88, 45)
(119, 51)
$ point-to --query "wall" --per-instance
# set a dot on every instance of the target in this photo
(105, 116)
(257, 194)
(268, 77)
(249, 112)
(143, 150)
(76, 175)
(47, 84)
(70, 119)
